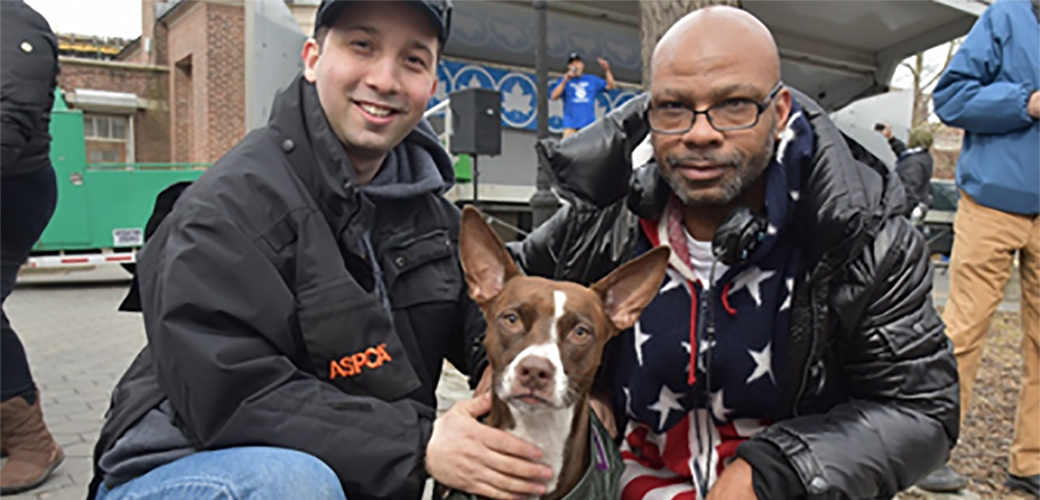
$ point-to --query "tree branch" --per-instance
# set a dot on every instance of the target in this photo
(951, 49)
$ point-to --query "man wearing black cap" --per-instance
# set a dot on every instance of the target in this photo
(579, 92)
(300, 298)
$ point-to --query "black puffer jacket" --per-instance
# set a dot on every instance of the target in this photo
(28, 76)
(862, 312)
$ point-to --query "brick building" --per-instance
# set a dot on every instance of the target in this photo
(201, 45)
(174, 94)
(125, 109)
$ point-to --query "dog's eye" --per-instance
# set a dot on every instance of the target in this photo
(581, 334)
(511, 319)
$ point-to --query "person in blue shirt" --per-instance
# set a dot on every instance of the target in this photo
(990, 89)
(579, 92)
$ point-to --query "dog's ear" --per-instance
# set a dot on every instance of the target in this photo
(627, 290)
(485, 260)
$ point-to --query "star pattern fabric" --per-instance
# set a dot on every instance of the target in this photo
(639, 338)
(763, 364)
(680, 428)
(654, 357)
(667, 402)
(752, 279)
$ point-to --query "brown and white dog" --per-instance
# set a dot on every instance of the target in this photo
(544, 341)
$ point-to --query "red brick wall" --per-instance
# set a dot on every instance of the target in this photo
(151, 126)
(226, 81)
(183, 110)
(945, 163)
(186, 44)
(946, 151)
(211, 36)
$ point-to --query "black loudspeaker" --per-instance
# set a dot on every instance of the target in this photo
(476, 119)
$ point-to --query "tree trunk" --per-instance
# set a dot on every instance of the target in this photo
(656, 16)
(920, 110)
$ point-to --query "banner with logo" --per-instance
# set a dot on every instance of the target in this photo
(519, 94)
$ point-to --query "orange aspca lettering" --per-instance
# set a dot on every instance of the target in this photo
(351, 365)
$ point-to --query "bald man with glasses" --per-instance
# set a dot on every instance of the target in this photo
(793, 351)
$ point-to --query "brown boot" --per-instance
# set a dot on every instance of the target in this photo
(3, 441)
(33, 452)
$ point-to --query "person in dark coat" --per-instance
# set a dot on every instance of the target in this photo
(28, 196)
(914, 167)
(300, 298)
(793, 352)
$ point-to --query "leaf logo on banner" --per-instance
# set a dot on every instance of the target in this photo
(515, 100)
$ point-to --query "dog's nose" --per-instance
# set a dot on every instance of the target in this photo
(535, 372)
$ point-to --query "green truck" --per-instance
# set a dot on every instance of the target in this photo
(102, 207)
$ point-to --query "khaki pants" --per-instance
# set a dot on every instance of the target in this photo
(984, 246)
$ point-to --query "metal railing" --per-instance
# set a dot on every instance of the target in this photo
(442, 107)
(491, 219)
(148, 166)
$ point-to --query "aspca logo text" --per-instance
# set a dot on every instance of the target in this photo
(349, 366)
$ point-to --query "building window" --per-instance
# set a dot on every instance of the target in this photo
(105, 127)
(108, 138)
(96, 156)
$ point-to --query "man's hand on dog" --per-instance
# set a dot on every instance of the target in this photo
(467, 455)
(485, 383)
(734, 483)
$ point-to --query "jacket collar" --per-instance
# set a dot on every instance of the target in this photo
(843, 200)
(298, 125)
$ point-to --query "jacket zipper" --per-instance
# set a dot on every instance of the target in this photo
(813, 332)
(701, 335)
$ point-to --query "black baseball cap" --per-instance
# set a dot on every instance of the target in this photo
(573, 56)
(437, 11)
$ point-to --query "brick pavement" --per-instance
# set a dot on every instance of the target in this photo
(78, 346)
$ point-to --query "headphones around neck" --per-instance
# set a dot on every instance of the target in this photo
(738, 236)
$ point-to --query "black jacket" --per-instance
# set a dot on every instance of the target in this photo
(262, 305)
(28, 77)
(862, 314)
(914, 167)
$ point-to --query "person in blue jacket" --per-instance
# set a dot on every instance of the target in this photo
(990, 89)
(579, 92)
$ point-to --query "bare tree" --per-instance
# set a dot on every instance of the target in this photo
(925, 74)
(656, 16)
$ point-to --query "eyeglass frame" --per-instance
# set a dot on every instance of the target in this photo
(761, 105)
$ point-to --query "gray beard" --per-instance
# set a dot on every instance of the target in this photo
(749, 170)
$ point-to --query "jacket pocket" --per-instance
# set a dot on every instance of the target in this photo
(353, 344)
(422, 270)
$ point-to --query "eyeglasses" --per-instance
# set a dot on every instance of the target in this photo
(732, 114)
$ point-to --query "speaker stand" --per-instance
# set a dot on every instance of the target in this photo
(476, 177)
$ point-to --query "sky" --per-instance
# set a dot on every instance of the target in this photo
(109, 18)
(933, 62)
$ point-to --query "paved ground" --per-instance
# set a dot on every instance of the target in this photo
(79, 345)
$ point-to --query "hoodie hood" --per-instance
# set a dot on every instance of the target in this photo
(418, 165)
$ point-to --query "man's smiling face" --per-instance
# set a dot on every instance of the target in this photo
(375, 72)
